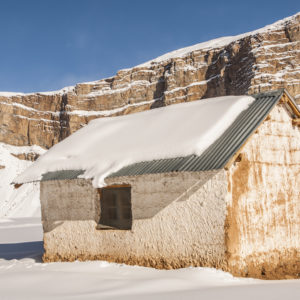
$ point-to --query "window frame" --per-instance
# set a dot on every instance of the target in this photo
(118, 207)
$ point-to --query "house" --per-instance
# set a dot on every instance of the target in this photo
(164, 198)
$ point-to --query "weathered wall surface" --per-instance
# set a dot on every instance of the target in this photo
(260, 61)
(178, 221)
(263, 223)
(68, 200)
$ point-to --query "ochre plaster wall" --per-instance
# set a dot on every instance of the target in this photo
(263, 222)
(178, 221)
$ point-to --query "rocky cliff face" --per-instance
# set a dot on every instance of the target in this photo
(266, 59)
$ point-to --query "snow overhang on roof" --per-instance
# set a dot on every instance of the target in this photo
(217, 133)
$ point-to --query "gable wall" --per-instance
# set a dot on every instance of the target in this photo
(178, 221)
(263, 222)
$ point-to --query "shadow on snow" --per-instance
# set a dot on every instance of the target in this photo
(22, 250)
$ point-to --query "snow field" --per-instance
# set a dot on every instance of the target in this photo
(23, 276)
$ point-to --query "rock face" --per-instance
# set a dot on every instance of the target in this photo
(265, 59)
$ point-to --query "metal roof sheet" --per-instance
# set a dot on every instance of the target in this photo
(214, 157)
(62, 175)
(220, 152)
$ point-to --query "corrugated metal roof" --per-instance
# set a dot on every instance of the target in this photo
(220, 152)
(61, 175)
(214, 157)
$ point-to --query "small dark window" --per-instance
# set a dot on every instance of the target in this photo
(115, 205)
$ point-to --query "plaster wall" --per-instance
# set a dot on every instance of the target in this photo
(74, 199)
(178, 221)
(263, 222)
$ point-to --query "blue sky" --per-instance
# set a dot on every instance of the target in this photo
(48, 44)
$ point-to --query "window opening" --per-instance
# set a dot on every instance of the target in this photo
(115, 203)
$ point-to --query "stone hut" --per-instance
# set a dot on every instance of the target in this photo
(235, 207)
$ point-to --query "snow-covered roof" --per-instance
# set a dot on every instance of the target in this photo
(106, 145)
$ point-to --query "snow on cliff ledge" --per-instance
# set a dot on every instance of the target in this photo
(220, 42)
(211, 44)
(106, 145)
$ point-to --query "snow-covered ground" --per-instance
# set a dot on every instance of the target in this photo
(24, 276)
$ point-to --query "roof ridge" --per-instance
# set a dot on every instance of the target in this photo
(276, 92)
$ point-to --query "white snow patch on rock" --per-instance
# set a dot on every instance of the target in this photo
(217, 43)
(24, 201)
(62, 91)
